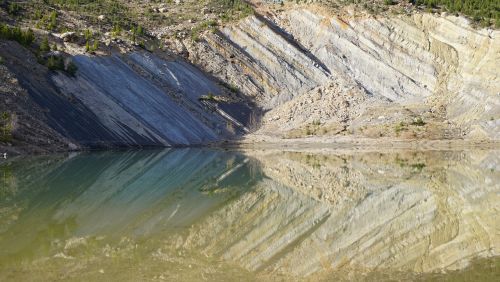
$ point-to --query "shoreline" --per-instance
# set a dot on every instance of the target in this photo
(353, 143)
(265, 142)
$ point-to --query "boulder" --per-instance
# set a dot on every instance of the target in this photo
(69, 36)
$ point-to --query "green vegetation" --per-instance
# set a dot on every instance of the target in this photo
(5, 127)
(116, 31)
(209, 97)
(233, 88)
(235, 9)
(71, 69)
(400, 127)
(44, 46)
(24, 37)
(114, 11)
(136, 32)
(13, 9)
(7, 182)
(55, 63)
(481, 11)
(418, 122)
(195, 32)
(403, 126)
(1, 61)
(88, 38)
(403, 162)
(418, 166)
(48, 21)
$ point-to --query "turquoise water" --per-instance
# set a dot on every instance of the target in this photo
(216, 215)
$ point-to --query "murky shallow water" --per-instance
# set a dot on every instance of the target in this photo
(213, 215)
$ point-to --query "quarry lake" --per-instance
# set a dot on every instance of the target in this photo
(269, 215)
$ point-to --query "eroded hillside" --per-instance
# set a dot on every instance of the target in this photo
(405, 76)
(162, 74)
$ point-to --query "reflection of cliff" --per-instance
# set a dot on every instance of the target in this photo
(437, 211)
(117, 194)
(298, 214)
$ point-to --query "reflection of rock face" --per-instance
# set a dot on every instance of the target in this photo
(403, 216)
(309, 214)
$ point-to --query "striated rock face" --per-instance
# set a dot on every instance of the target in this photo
(261, 61)
(129, 102)
(407, 58)
(137, 99)
(290, 73)
(439, 67)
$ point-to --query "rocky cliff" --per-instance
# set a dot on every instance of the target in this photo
(295, 72)
(365, 74)
(137, 99)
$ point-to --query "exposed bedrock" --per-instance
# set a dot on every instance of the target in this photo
(136, 99)
(423, 61)
(404, 58)
(311, 72)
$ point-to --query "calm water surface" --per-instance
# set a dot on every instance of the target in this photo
(214, 215)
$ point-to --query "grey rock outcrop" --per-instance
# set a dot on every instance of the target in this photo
(137, 99)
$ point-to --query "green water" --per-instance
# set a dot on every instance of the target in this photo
(268, 215)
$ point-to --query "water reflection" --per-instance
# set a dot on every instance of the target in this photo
(196, 214)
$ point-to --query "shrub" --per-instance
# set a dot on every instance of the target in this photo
(24, 37)
(13, 9)
(44, 46)
(400, 127)
(48, 21)
(117, 30)
(71, 69)
(95, 46)
(55, 63)
(418, 122)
